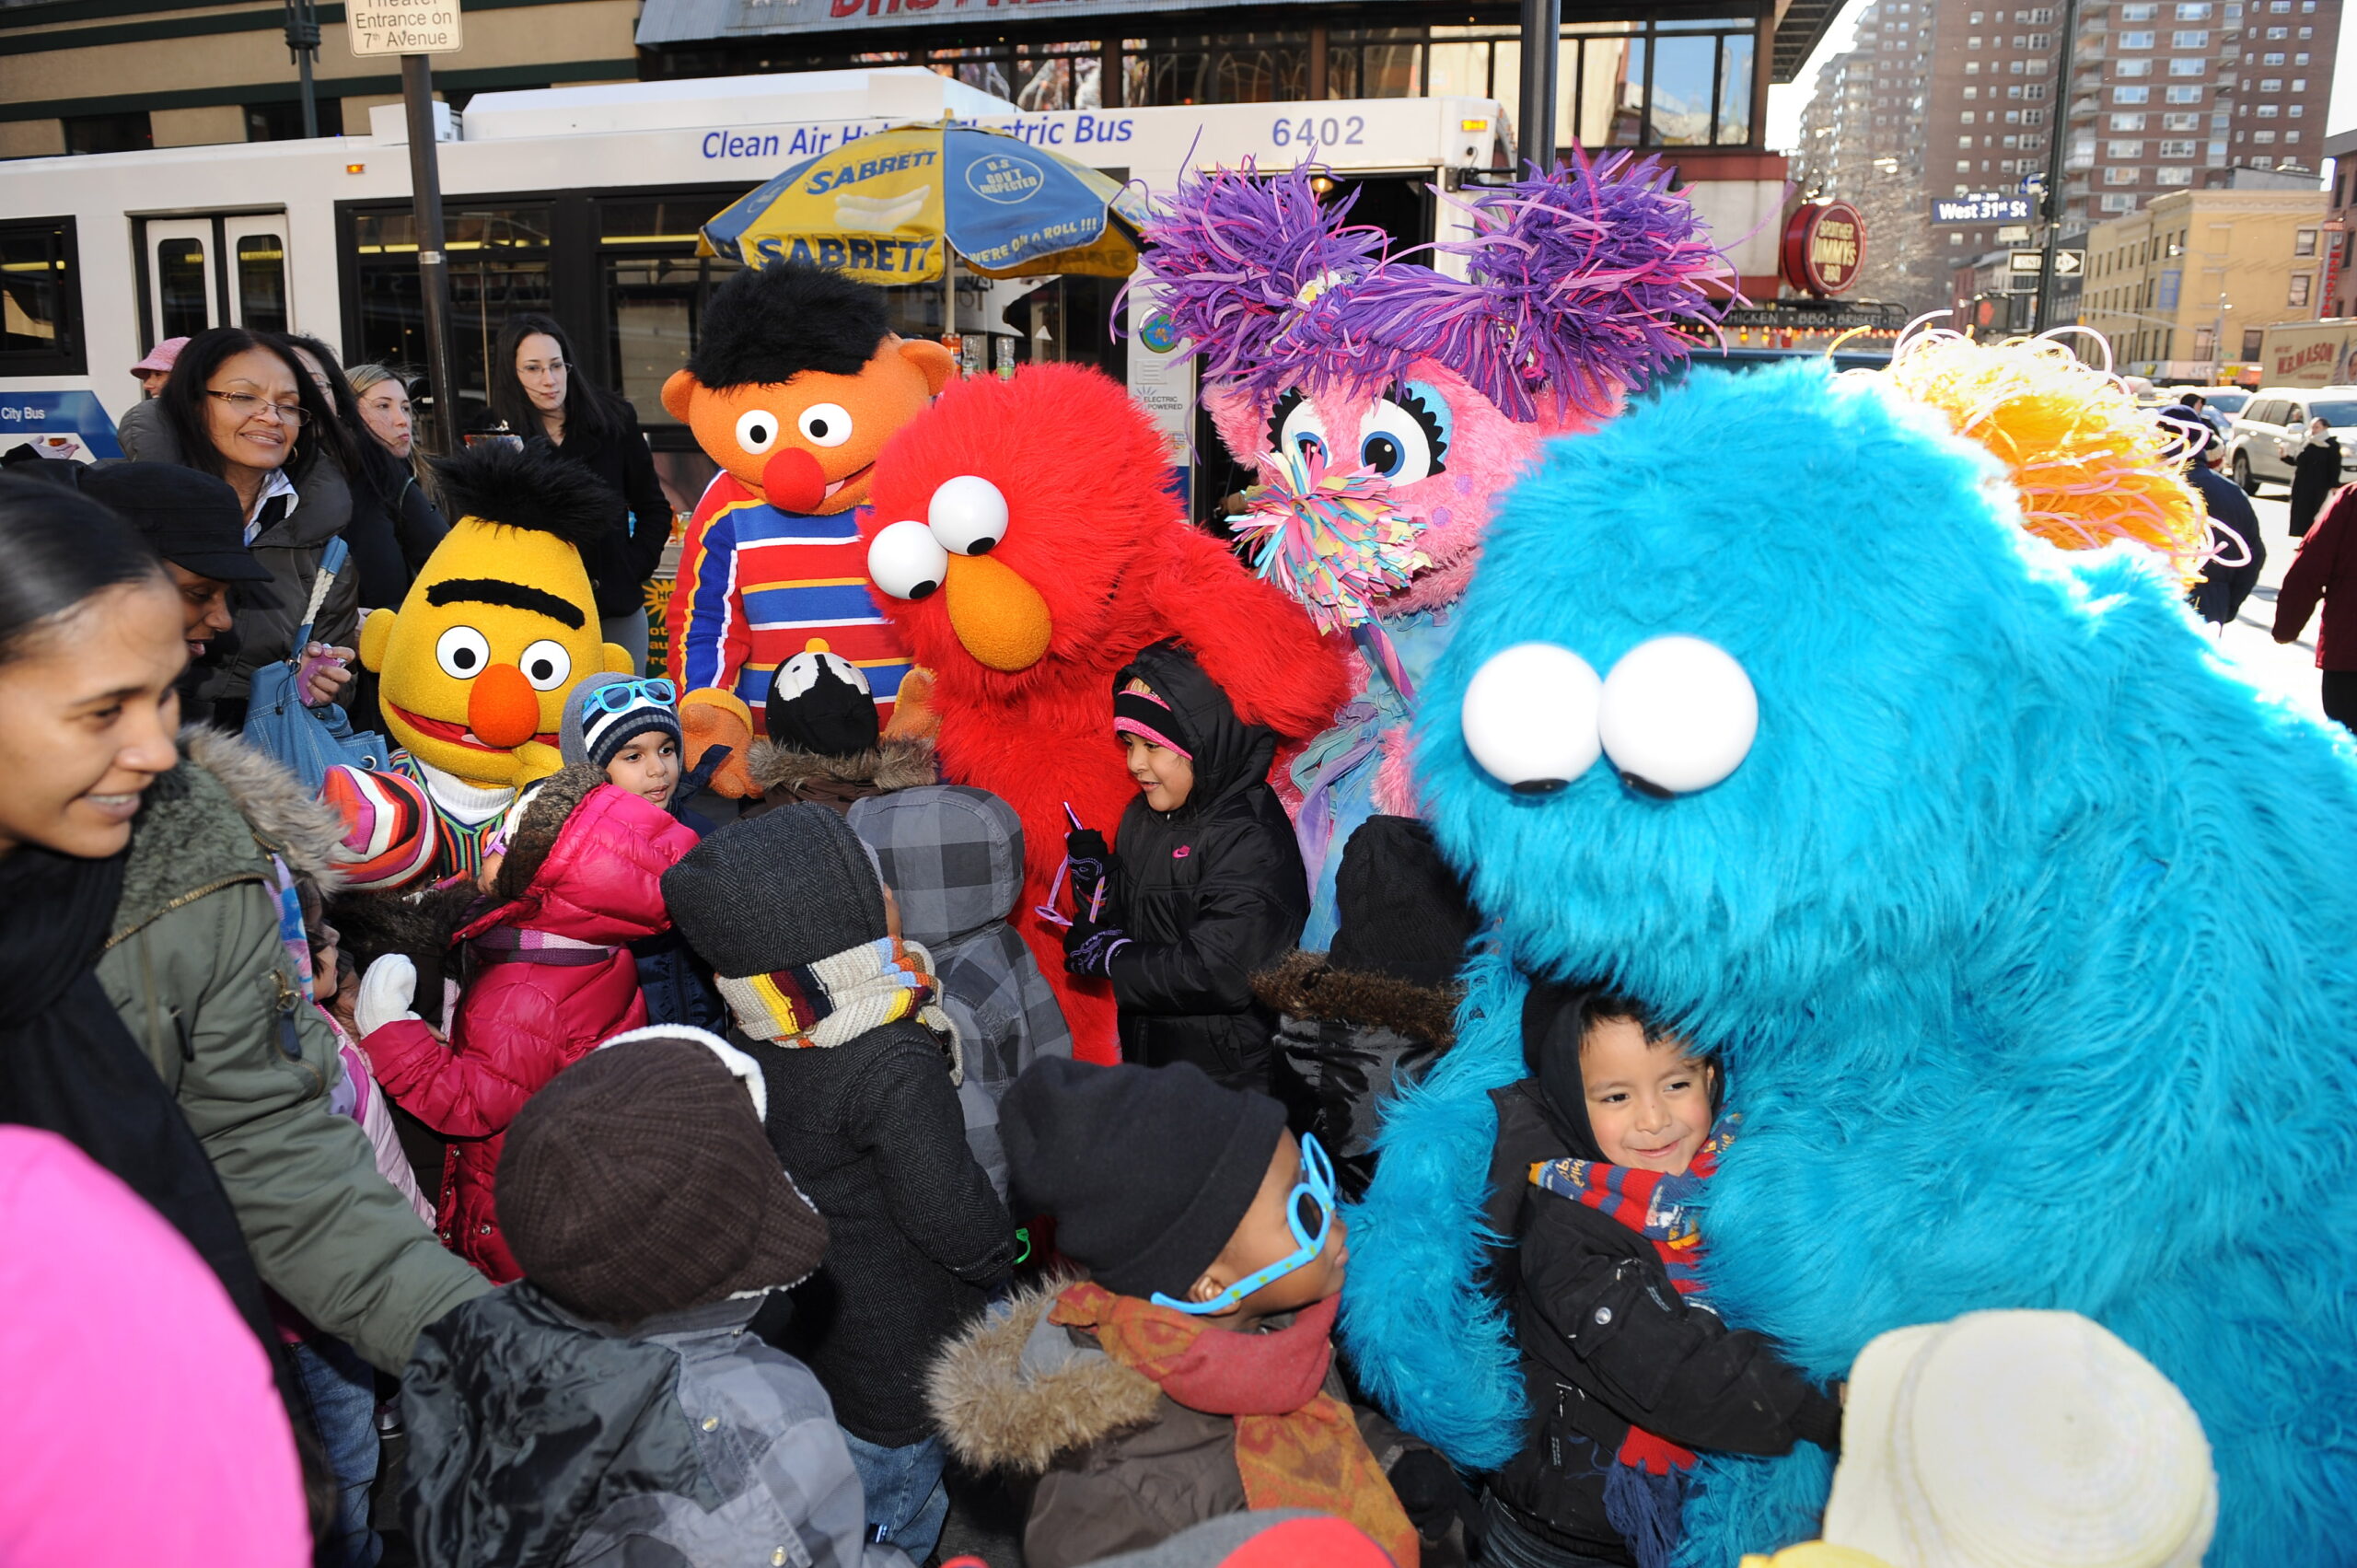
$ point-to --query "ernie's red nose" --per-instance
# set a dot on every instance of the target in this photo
(794, 481)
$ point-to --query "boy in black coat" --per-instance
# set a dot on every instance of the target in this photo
(1208, 888)
(1628, 1367)
(841, 1014)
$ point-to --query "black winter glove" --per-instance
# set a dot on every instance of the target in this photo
(1432, 1496)
(1089, 949)
(1092, 862)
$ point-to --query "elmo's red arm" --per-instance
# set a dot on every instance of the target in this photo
(1254, 642)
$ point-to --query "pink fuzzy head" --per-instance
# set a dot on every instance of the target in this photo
(1443, 452)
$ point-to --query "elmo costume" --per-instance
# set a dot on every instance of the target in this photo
(1024, 544)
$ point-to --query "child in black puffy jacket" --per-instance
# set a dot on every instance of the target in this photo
(1208, 888)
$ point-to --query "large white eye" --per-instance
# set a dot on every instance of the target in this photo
(462, 651)
(1403, 441)
(1294, 427)
(906, 561)
(825, 424)
(546, 665)
(1530, 718)
(756, 430)
(1678, 715)
(967, 515)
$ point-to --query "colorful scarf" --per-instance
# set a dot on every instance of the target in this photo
(1296, 1446)
(841, 996)
(1642, 1492)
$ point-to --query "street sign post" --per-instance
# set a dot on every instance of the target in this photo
(2067, 263)
(1988, 207)
(416, 31)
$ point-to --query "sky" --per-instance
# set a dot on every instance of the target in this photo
(1785, 104)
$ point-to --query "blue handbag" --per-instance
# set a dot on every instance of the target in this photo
(308, 742)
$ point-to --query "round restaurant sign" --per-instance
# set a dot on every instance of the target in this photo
(1825, 242)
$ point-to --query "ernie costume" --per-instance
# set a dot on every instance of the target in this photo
(794, 386)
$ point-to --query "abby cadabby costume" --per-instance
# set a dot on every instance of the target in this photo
(1385, 403)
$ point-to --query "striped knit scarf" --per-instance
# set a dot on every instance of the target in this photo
(842, 996)
(1641, 1490)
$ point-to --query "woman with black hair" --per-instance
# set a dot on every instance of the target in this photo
(536, 393)
(394, 528)
(242, 407)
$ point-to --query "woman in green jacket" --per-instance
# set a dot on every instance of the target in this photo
(138, 931)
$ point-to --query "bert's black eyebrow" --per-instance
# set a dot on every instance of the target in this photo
(513, 596)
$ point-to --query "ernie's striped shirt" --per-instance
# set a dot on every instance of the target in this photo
(756, 584)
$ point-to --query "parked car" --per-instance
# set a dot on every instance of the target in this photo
(2268, 433)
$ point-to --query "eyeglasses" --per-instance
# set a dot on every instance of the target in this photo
(1310, 1215)
(245, 405)
(623, 695)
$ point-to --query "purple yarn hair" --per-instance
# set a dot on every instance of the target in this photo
(1579, 281)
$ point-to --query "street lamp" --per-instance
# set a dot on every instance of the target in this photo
(2218, 343)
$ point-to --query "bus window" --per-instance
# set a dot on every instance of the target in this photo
(498, 261)
(185, 291)
(261, 282)
(656, 289)
(40, 299)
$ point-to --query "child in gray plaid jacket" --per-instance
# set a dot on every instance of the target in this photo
(953, 857)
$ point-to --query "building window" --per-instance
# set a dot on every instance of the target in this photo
(2131, 94)
(1973, 42)
(2184, 94)
(2271, 59)
(1972, 67)
(2271, 85)
(2033, 117)
(2123, 151)
(2137, 39)
(2296, 110)
(1966, 117)
(2184, 67)
(1964, 141)
(2299, 59)
(2180, 122)
(2122, 176)
(2266, 111)
(2197, 38)
(2304, 243)
(2291, 136)
(2134, 68)
(41, 327)
(2193, 11)
(109, 133)
(2262, 163)
(1955, 241)
(1970, 94)
(2119, 203)
(2279, 32)
(2300, 285)
(2299, 84)
(2176, 149)
(2174, 174)
(2128, 122)
(1963, 166)
(2263, 138)
(2139, 13)
(2033, 92)
(283, 122)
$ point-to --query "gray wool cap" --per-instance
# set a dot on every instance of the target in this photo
(599, 738)
(776, 891)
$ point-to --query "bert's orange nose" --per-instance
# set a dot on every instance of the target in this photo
(502, 708)
(999, 617)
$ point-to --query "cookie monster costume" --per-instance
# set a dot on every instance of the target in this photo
(1385, 403)
(2020, 926)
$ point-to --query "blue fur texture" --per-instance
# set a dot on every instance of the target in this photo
(2027, 933)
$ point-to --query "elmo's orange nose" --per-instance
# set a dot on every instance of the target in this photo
(999, 617)
(502, 708)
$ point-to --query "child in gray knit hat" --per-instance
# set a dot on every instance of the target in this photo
(842, 1016)
(628, 726)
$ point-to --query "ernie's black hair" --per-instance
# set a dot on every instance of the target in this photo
(768, 323)
(529, 487)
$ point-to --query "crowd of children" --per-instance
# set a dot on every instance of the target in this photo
(772, 1131)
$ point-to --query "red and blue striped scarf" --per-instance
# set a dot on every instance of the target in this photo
(1642, 1489)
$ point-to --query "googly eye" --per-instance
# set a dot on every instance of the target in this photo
(1295, 426)
(825, 424)
(1678, 715)
(906, 561)
(1403, 440)
(462, 651)
(756, 430)
(546, 665)
(1529, 717)
(967, 515)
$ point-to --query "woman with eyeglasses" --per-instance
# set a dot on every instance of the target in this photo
(538, 394)
(242, 407)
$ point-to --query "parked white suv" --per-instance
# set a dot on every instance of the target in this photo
(2268, 433)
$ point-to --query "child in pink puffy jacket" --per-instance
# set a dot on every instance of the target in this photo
(551, 975)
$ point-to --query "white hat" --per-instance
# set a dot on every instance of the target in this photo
(2019, 1440)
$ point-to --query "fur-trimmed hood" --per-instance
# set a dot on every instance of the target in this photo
(214, 821)
(1306, 986)
(899, 762)
(1015, 1390)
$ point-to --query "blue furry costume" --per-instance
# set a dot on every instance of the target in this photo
(2024, 932)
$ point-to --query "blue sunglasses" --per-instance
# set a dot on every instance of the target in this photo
(622, 695)
(1310, 1215)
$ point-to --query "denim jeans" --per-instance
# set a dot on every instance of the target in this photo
(907, 1504)
(342, 1391)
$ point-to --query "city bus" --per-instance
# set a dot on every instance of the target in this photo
(584, 203)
